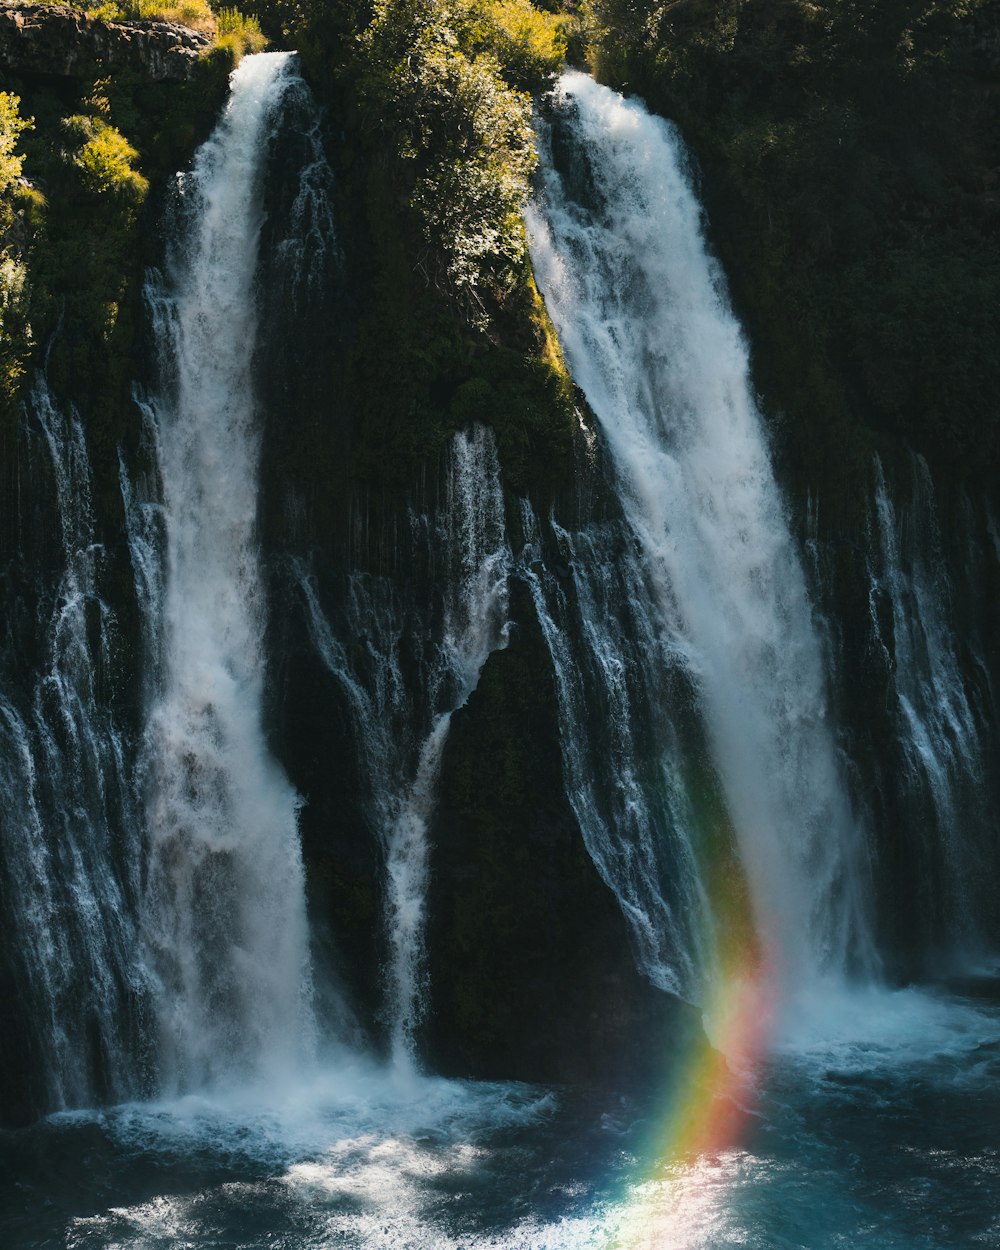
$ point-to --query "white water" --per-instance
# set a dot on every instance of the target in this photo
(945, 788)
(643, 316)
(846, 1146)
(224, 911)
(623, 759)
(402, 719)
(69, 812)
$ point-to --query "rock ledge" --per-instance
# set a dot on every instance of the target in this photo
(64, 42)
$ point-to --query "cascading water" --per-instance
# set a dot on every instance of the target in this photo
(945, 796)
(691, 609)
(402, 715)
(624, 760)
(640, 306)
(224, 909)
(70, 813)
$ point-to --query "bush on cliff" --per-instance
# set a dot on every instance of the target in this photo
(238, 31)
(106, 159)
(435, 152)
(12, 124)
(436, 80)
(15, 333)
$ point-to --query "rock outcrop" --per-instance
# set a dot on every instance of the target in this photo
(57, 40)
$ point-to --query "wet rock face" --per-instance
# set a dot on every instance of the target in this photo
(56, 40)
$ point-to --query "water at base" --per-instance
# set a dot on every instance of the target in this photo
(876, 1129)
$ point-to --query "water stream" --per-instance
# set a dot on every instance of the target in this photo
(642, 312)
(224, 910)
(163, 906)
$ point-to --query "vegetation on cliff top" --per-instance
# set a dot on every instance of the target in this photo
(15, 333)
(443, 85)
(434, 162)
(79, 156)
(235, 32)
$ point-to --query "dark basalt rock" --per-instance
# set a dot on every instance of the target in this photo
(532, 974)
(62, 42)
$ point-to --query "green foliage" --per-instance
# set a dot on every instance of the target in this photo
(106, 159)
(529, 45)
(472, 186)
(15, 332)
(12, 125)
(73, 258)
(197, 14)
(107, 11)
(465, 134)
(239, 31)
(235, 32)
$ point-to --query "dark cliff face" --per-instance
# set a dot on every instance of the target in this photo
(533, 975)
(63, 42)
(844, 154)
(365, 377)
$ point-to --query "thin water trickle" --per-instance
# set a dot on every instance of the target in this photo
(946, 795)
(70, 811)
(402, 720)
(624, 759)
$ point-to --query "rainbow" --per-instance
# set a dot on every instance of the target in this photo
(710, 1090)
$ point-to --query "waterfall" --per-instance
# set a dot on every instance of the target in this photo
(413, 663)
(643, 316)
(70, 873)
(224, 908)
(945, 800)
(627, 768)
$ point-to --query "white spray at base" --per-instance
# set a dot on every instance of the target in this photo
(401, 720)
(225, 905)
(643, 317)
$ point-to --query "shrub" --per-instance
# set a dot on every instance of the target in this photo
(108, 11)
(475, 183)
(15, 334)
(11, 126)
(105, 159)
(194, 13)
(240, 32)
(429, 81)
(529, 45)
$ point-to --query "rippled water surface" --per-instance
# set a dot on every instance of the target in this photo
(875, 1125)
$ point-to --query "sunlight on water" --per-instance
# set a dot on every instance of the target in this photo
(881, 1135)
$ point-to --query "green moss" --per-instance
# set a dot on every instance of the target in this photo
(80, 231)
(16, 209)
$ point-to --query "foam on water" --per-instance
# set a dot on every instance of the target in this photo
(870, 1029)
